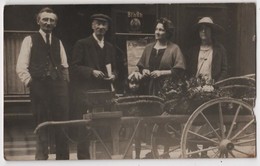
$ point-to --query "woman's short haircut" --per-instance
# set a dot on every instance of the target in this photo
(168, 26)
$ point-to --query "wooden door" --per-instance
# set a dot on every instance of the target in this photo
(246, 43)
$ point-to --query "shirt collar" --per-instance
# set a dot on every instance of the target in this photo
(95, 37)
(44, 34)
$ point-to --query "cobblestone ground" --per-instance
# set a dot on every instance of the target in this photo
(19, 144)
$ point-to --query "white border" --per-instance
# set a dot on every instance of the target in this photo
(179, 162)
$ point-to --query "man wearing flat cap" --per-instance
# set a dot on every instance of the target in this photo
(101, 17)
(92, 67)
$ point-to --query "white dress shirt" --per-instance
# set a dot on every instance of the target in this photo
(205, 62)
(25, 54)
(100, 42)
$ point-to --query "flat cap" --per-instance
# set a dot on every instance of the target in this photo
(101, 17)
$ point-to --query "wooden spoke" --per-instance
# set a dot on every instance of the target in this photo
(221, 155)
(210, 132)
(225, 137)
(206, 119)
(242, 152)
(243, 129)
(201, 136)
(173, 149)
(216, 154)
(233, 122)
(102, 142)
(132, 137)
(245, 136)
(221, 121)
(232, 154)
(173, 129)
(157, 144)
(226, 154)
(202, 150)
(245, 141)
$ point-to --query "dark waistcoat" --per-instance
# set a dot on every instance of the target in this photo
(42, 58)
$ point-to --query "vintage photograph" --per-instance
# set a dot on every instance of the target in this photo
(129, 81)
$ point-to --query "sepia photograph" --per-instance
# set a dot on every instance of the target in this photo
(129, 81)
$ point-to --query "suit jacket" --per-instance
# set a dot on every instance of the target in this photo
(85, 60)
(219, 62)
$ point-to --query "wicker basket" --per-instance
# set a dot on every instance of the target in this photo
(140, 105)
(177, 107)
(99, 97)
(187, 106)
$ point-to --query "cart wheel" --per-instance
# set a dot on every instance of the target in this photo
(220, 128)
(165, 141)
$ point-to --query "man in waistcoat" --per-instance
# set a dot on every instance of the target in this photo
(92, 59)
(42, 66)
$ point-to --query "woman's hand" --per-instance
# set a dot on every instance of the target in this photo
(146, 72)
(156, 74)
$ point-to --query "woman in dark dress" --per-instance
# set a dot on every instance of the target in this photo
(161, 58)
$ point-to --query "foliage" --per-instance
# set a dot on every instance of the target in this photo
(184, 96)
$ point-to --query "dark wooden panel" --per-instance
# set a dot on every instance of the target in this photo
(246, 62)
(189, 15)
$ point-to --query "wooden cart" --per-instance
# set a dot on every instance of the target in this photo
(219, 128)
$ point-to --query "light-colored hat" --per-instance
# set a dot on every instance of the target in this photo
(208, 21)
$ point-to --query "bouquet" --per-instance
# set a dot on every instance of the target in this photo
(185, 95)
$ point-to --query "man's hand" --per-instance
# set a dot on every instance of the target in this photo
(29, 83)
(98, 74)
(111, 78)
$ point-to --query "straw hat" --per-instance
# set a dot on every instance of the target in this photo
(209, 22)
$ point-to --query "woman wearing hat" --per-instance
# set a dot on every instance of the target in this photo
(161, 58)
(208, 59)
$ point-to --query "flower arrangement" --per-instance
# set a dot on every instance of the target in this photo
(187, 88)
(184, 96)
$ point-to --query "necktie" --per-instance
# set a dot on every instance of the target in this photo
(48, 38)
(51, 70)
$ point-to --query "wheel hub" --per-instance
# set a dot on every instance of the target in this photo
(226, 145)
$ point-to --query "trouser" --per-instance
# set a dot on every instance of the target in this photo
(83, 143)
(50, 102)
(80, 133)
